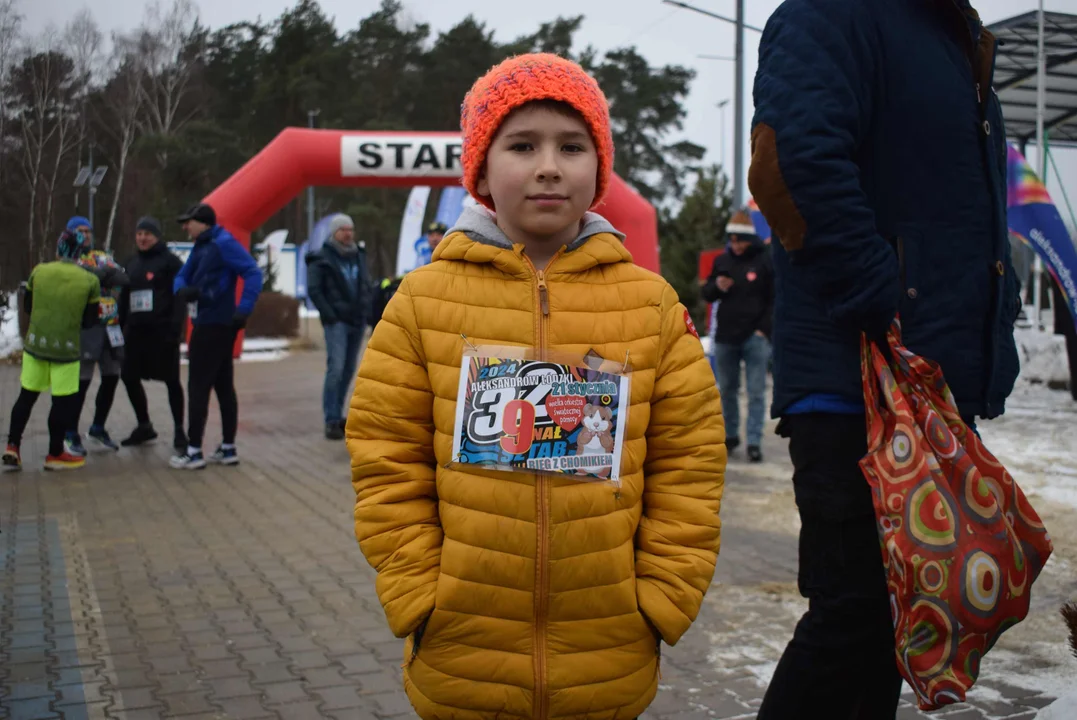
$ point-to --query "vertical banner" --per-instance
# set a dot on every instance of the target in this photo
(312, 244)
(1034, 218)
(413, 250)
(451, 204)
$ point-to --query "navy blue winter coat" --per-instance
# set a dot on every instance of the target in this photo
(339, 286)
(879, 160)
(216, 261)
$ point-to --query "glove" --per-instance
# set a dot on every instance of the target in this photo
(239, 320)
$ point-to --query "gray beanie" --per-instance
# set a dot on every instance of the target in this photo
(340, 220)
(150, 225)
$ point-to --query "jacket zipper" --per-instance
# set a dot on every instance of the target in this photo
(542, 512)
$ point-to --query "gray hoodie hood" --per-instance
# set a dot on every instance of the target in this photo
(480, 225)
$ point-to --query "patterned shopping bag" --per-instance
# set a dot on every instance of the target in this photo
(960, 542)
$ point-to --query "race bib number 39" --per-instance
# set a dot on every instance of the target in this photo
(540, 417)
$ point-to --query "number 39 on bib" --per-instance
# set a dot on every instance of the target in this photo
(564, 416)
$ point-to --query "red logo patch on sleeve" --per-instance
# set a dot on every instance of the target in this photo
(691, 325)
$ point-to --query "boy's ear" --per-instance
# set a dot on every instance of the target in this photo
(483, 185)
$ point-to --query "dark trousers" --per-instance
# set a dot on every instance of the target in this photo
(840, 663)
(137, 394)
(209, 358)
(106, 395)
(62, 417)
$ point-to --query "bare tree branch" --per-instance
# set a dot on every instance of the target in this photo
(46, 95)
(10, 24)
(169, 69)
(121, 108)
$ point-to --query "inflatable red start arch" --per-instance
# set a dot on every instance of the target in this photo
(299, 157)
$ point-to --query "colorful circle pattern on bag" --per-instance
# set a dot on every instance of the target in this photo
(981, 584)
(931, 516)
(961, 544)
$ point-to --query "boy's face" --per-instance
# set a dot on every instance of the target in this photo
(542, 172)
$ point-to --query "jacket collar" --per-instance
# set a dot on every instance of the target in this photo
(476, 238)
(207, 235)
(157, 249)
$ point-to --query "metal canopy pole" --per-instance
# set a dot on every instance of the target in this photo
(738, 109)
(311, 114)
(1041, 145)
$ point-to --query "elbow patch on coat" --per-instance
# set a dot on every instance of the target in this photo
(770, 192)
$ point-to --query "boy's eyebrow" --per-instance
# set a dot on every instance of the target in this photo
(564, 135)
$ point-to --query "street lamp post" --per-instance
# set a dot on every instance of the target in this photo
(738, 119)
(721, 108)
(311, 114)
(91, 176)
(738, 94)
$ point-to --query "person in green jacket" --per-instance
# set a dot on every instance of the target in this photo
(61, 299)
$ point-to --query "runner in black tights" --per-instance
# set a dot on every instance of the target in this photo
(153, 325)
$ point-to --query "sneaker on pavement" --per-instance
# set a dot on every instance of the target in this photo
(333, 431)
(101, 437)
(180, 442)
(755, 454)
(731, 444)
(225, 456)
(141, 434)
(64, 461)
(73, 445)
(188, 461)
(11, 459)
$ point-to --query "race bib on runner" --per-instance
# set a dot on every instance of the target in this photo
(192, 310)
(541, 416)
(115, 336)
(142, 301)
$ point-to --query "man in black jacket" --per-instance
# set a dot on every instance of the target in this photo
(153, 324)
(742, 281)
(339, 287)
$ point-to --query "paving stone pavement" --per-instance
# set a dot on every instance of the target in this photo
(132, 591)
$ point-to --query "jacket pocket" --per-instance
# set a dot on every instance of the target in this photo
(416, 642)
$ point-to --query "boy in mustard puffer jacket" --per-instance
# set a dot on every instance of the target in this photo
(543, 520)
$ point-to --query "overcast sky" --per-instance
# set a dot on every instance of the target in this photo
(663, 34)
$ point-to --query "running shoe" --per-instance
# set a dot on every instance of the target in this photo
(64, 461)
(101, 437)
(188, 461)
(73, 445)
(225, 456)
(140, 435)
(11, 459)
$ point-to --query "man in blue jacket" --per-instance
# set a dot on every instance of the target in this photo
(879, 160)
(207, 283)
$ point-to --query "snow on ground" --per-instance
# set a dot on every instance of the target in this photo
(1043, 356)
(1063, 709)
(10, 341)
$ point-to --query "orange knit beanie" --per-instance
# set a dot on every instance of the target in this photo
(520, 80)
